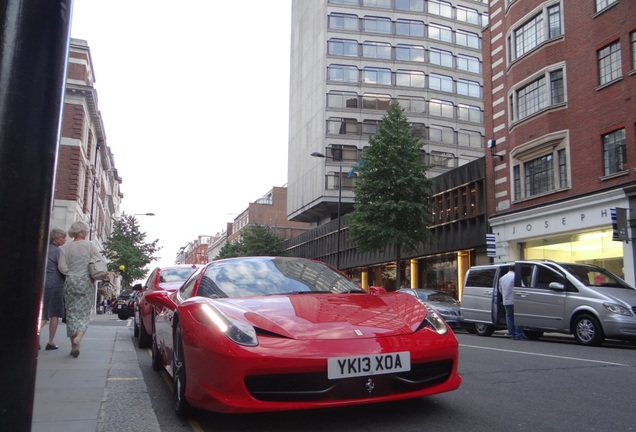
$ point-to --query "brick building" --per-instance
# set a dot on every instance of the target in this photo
(560, 111)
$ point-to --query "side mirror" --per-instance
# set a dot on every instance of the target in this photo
(137, 287)
(556, 286)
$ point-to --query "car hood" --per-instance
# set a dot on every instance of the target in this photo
(328, 316)
(625, 295)
(171, 286)
(443, 305)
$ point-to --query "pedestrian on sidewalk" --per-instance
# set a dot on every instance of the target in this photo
(53, 302)
(507, 289)
(79, 289)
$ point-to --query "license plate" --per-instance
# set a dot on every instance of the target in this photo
(374, 364)
(121, 302)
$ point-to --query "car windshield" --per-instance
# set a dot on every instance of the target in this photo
(591, 275)
(440, 297)
(176, 275)
(244, 277)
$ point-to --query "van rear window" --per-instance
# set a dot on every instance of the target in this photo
(481, 277)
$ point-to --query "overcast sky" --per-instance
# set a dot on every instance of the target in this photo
(194, 96)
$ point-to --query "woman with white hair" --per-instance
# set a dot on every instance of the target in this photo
(79, 289)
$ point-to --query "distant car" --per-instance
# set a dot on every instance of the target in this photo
(124, 304)
(168, 278)
(257, 334)
(444, 304)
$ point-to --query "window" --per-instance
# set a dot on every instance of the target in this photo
(469, 113)
(602, 4)
(345, 2)
(376, 101)
(409, 28)
(407, 78)
(410, 5)
(377, 3)
(441, 108)
(440, 8)
(440, 82)
(346, 152)
(468, 63)
(439, 32)
(540, 166)
(543, 26)
(376, 76)
(377, 25)
(412, 53)
(469, 138)
(468, 88)
(614, 152)
(343, 73)
(609, 63)
(412, 104)
(467, 15)
(340, 99)
(467, 39)
(379, 50)
(442, 134)
(343, 47)
(537, 95)
(440, 57)
(342, 126)
(632, 41)
(370, 127)
(418, 130)
(340, 21)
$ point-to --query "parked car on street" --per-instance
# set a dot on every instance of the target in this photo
(124, 304)
(443, 303)
(584, 300)
(168, 278)
(258, 334)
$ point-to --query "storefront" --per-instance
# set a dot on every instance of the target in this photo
(578, 230)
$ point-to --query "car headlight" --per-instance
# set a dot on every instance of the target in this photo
(239, 332)
(435, 321)
(618, 309)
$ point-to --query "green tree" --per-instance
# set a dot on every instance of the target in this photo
(126, 247)
(257, 240)
(392, 200)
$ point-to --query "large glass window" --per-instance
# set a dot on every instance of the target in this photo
(632, 41)
(441, 108)
(469, 113)
(343, 47)
(405, 27)
(537, 95)
(375, 101)
(370, 127)
(440, 82)
(468, 63)
(341, 99)
(439, 32)
(609, 63)
(442, 134)
(602, 4)
(468, 88)
(467, 15)
(440, 8)
(408, 78)
(377, 25)
(380, 76)
(413, 53)
(379, 50)
(412, 104)
(343, 73)
(614, 152)
(467, 39)
(543, 26)
(410, 5)
(469, 138)
(340, 21)
(441, 57)
(386, 4)
(342, 126)
(539, 175)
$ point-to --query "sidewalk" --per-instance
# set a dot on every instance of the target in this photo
(102, 390)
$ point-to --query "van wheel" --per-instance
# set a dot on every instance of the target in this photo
(588, 331)
(533, 334)
(484, 329)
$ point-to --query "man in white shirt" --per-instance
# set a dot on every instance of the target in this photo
(507, 289)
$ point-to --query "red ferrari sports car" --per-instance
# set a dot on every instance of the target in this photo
(279, 333)
(168, 278)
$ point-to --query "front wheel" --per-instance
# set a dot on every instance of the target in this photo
(145, 339)
(181, 406)
(588, 331)
(484, 329)
(135, 325)
(122, 317)
(157, 359)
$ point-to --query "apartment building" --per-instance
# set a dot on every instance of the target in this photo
(349, 60)
(560, 108)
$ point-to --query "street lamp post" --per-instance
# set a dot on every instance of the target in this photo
(320, 155)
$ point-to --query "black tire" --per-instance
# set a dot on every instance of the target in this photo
(484, 329)
(145, 340)
(181, 406)
(157, 359)
(122, 317)
(588, 331)
(135, 326)
(533, 334)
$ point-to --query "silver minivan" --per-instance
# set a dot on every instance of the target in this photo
(580, 299)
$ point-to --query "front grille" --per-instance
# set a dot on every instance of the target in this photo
(316, 386)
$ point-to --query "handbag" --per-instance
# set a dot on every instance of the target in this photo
(97, 269)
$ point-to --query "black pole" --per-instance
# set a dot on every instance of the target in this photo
(34, 41)
(339, 204)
